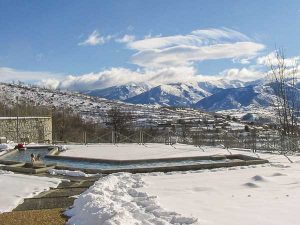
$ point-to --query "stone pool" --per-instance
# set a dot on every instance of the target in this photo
(145, 165)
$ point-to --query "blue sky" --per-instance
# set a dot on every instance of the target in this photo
(122, 40)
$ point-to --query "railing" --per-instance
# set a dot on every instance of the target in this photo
(256, 141)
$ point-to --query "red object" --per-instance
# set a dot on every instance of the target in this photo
(20, 146)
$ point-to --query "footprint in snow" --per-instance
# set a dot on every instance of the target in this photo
(232, 168)
(199, 189)
(278, 174)
(251, 185)
(258, 178)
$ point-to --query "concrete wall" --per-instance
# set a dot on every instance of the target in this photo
(31, 129)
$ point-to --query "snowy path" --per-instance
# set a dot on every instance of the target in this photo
(15, 187)
(115, 200)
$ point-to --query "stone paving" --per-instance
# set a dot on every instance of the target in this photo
(47, 208)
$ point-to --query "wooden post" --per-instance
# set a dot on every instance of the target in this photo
(18, 120)
(113, 137)
(84, 136)
(141, 137)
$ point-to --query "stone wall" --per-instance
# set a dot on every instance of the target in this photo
(30, 129)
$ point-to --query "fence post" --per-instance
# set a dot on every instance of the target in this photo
(141, 137)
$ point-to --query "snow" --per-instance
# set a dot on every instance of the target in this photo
(15, 187)
(2, 152)
(171, 90)
(115, 200)
(257, 194)
(135, 151)
(32, 144)
(75, 173)
(4, 147)
(237, 126)
(62, 148)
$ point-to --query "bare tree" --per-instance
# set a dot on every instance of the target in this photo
(286, 102)
(120, 122)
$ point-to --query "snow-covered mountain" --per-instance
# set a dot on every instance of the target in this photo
(90, 108)
(234, 98)
(122, 92)
(171, 95)
(216, 85)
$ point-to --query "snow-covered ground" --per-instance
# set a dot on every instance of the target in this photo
(2, 152)
(6, 147)
(15, 187)
(70, 173)
(259, 194)
(135, 151)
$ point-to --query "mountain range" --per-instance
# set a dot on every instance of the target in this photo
(213, 95)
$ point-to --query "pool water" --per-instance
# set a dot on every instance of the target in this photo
(24, 156)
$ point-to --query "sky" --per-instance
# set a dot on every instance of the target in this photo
(97, 44)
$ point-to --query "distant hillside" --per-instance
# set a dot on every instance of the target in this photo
(122, 92)
(170, 95)
(235, 98)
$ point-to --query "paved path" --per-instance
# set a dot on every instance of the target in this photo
(47, 208)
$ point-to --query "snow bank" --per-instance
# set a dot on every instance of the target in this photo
(2, 152)
(2, 172)
(68, 173)
(4, 147)
(114, 199)
(62, 148)
(15, 187)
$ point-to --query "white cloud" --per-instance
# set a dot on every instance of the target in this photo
(155, 43)
(126, 39)
(163, 60)
(220, 34)
(9, 75)
(243, 74)
(195, 38)
(95, 39)
(243, 61)
(184, 55)
(121, 76)
(51, 83)
(271, 59)
(199, 45)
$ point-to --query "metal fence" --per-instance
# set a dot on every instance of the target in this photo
(256, 141)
